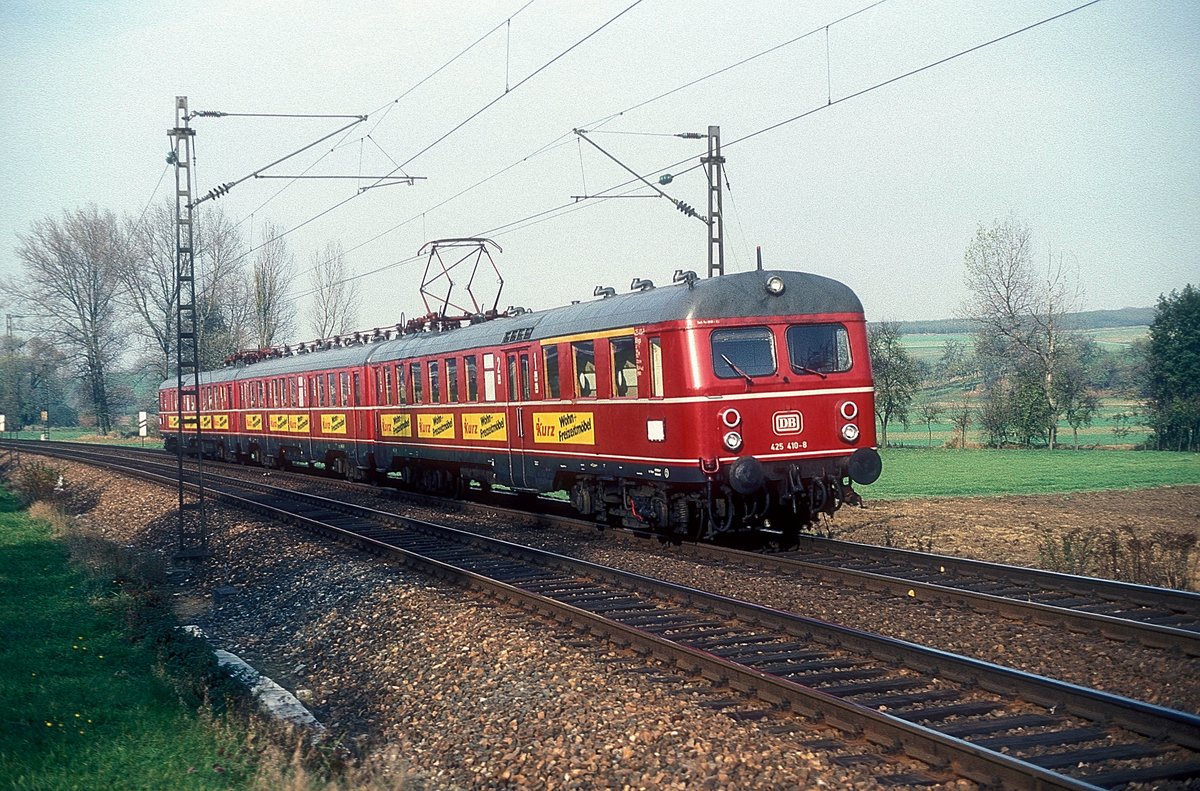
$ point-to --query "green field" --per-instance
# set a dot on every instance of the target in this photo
(964, 473)
(81, 705)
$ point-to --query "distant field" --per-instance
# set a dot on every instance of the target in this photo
(964, 473)
(928, 347)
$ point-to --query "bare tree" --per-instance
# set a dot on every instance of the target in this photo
(1020, 309)
(70, 286)
(334, 297)
(148, 276)
(270, 279)
(223, 299)
(897, 375)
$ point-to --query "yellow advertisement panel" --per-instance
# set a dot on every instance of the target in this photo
(564, 428)
(486, 426)
(394, 425)
(172, 421)
(298, 424)
(333, 424)
(221, 422)
(279, 422)
(254, 422)
(206, 422)
(439, 425)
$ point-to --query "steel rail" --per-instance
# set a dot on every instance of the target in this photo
(941, 579)
(922, 742)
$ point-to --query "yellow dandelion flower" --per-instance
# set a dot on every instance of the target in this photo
(76, 715)
(49, 724)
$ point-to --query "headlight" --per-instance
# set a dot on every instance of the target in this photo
(733, 440)
(850, 432)
(775, 285)
(731, 417)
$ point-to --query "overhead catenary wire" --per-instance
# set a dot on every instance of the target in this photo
(554, 212)
(594, 126)
(458, 126)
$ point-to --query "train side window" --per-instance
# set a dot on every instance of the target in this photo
(452, 380)
(356, 378)
(344, 389)
(584, 355)
(401, 393)
(656, 368)
(319, 383)
(414, 371)
(260, 398)
(512, 377)
(388, 388)
(472, 381)
(624, 367)
(489, 377)
(525, 395)
(301, 388)
(435, 384)
(818, 348)
(550, 359)
(743, 352)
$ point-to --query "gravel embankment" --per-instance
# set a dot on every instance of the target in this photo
(459, 692)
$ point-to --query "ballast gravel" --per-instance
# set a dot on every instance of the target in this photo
(467, 694)
(461, 693)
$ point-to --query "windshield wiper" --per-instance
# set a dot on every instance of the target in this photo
(737, 370)
(805, 369)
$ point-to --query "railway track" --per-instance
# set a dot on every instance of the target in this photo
(958, 716)
(1159, 618)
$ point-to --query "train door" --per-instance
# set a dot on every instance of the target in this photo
(518, 379)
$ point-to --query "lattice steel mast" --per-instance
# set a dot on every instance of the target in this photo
(193, 524)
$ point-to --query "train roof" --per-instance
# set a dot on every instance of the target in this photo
(739, 295)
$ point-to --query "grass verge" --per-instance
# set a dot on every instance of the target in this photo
(84, 705)
(938, 472)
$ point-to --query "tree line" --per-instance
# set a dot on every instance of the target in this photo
(96, 303)
(1029, 369)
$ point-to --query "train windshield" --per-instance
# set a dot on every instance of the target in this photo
(819, 348)
(744, 352)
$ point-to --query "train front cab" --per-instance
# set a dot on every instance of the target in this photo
(788, 429)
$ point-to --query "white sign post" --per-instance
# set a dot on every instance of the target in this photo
(142, 427)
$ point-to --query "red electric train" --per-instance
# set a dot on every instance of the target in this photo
(699, 408)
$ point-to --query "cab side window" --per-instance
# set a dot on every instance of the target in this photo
(584, 355)
(624, 368)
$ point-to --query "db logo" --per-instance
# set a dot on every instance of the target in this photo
(788, 422)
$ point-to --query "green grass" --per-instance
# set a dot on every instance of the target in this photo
(81, 705)
(964, 473)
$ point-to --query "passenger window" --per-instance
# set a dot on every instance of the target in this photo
(452, 380)
(414, 371)
(331, 393)
(656, 368)
(550, 358)
(525, 376)
(319, 380)
(344, 394)
(512, 377)
(301, 388)
(624, 369)
(584, 354)
(435, 390)
(489, 377)
(356, 377)
(819, 348)
(388, 391)
(472, 383)
(743, 352)
(401, 392)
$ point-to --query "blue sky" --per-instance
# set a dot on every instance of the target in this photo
(1086, 128)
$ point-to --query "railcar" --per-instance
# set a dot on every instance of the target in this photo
(704, 407)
